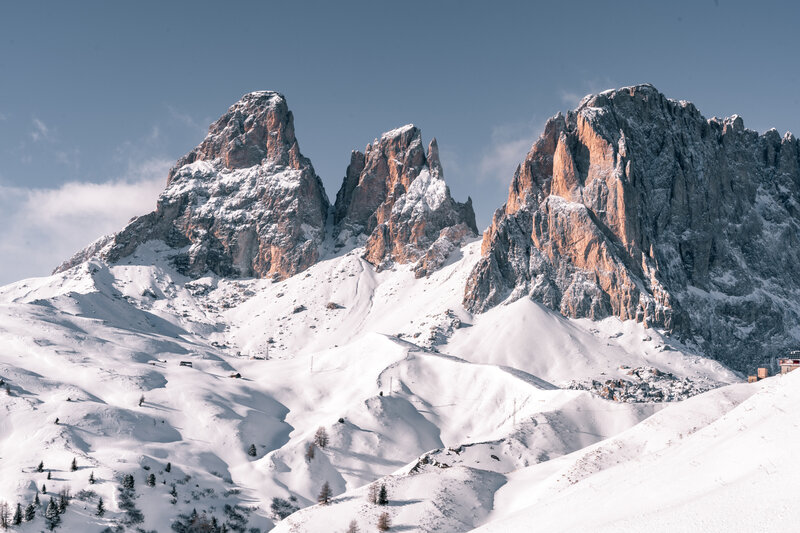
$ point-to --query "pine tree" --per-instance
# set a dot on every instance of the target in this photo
(384, 522)
(101, 510)
(325, 494)
(168, 468)
(310, 451)
(48, 475)
(5, 519)
(128, 482)
(91, 478)
(40, 468)
(383, 497)
(44, 488)
(353, 528)
(74, 466)
(62, 504)
(151, 480)
(17, 520)
(321, 437)
(372, 494)
(51, 516)
(30, 512)
(36, 501)
(141, 400)
(251, 451)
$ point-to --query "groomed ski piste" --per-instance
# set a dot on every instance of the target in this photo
(468, 421)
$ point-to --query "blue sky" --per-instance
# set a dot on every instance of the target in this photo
(97, 99)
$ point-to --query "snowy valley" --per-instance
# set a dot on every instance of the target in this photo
(248, 357)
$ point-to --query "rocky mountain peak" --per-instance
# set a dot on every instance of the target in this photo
(258, 127)
(636, 206)
(245, 202)
(394, 196)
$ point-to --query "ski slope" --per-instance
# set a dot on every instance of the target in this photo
(401, 377)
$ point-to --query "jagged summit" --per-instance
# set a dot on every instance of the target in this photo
(637, 206)
(394, 194)
(246, 203)
(257, 127)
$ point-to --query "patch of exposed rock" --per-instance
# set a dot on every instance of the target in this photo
(636, 206)
(394, 196)
(245, 202)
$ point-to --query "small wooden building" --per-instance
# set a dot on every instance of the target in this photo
(761, 373)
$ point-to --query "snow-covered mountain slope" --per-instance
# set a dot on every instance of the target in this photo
(392, 366)
(721, 461)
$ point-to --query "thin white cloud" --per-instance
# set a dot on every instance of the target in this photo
(509, 145)
(570, 98)
(41, 132)
(188, 120)
(43, 227)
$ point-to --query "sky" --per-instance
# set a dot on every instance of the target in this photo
(98, 99)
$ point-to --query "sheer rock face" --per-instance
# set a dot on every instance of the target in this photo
(395, 196)
(636, 206)
(243, 203)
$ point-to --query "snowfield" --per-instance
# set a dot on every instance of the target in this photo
(466, 420)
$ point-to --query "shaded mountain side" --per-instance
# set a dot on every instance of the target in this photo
(635, 205)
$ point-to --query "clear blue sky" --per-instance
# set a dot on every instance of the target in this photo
(104, 91)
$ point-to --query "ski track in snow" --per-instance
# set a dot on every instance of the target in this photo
(474, 432)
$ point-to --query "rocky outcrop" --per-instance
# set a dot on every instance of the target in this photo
(245, 202)
(395, 197)
(636, 206)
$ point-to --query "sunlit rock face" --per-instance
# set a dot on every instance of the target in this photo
(636, 206)
(245, 202)
(395, 196)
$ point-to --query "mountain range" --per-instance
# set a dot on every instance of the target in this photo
(249, 341)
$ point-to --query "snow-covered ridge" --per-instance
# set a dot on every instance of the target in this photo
(394, 357)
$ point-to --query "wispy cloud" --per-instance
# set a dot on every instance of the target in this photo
(186, 119)
(507, 149)
(571, 97)
(41, 132)
(43, 227)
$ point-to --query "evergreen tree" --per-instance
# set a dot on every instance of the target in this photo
(30, 512)
(325, 494)
(321, 437)
(141, 400)
(51, 515)
(168, 468)
(5, 519)
(383, 497)
(101, 510)
(91, 478)
(44, 488)
(310, 451)
(151, 480)
(384, 522)
(128, 482)
(252, 450)
(372, 494)
(40, 468)
(74, 466)
(353, 528)
(17, 520)
(62, 504)
(48, 475)
(36, 501)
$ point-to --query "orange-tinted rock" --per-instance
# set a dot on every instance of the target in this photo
(636, 206)
(245, 202)
(394, 196)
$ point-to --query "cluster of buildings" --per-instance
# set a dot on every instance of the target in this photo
(787, 364)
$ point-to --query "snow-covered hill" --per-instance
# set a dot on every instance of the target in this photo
(391, 365)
